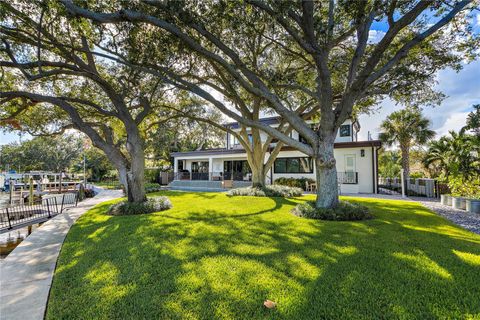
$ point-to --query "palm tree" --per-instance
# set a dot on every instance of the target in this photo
(454, 155)
(407, 127)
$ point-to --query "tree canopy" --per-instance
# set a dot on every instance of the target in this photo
(54, 154)
(301, 60)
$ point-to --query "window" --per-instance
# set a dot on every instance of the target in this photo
(293, 165)
(235, 141)
(179, 165)
(345, 130)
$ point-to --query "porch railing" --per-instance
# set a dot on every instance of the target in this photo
(347, 177)
(212, 176)
(342, 177)
(24, 215)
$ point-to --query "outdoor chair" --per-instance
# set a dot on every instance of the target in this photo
(227, 184)
(311, 187)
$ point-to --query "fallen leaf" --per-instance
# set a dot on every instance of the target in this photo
(269, 304)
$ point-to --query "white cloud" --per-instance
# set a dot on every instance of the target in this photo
(463, 91)
(454, 122)
(477, 18)
(374, 36)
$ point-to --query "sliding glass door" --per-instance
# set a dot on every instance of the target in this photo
(200, 170)
(237, 170)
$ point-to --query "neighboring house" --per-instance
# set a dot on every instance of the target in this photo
(356, 163)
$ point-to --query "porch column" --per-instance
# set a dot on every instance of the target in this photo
(210, 168)
(175, 165)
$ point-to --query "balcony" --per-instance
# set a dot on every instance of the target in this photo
(347, 177)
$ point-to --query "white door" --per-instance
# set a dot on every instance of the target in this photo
(350, 169)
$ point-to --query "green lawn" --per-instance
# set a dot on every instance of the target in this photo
(215, 257)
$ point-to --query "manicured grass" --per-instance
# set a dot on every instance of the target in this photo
(215, 257)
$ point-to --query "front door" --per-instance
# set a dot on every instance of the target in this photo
(350, 168)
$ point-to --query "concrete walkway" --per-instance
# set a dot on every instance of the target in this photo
(27, 272)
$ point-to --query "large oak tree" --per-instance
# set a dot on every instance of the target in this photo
(52, 81)
(345, 70)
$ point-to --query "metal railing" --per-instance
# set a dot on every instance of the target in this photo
(342, 177)
(39, 211)
(212, 176)
(347, 177)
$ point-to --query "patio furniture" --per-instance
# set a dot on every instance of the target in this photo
(227, 184)
(311, 186)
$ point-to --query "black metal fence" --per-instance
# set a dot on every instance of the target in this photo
(39, 211)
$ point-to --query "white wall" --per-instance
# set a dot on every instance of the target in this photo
(363, 165)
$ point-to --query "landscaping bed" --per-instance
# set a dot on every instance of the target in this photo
(217, 257)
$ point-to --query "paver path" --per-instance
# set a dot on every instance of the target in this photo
(26, 273)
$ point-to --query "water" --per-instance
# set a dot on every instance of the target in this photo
(10, 240)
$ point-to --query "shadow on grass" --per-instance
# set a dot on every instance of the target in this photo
(218, 258)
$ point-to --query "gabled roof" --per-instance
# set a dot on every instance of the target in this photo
(267, 121)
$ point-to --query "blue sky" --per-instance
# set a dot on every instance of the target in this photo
(461, 88)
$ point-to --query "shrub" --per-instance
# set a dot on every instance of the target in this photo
(152, 187)
(294, 182)
(267, 191)
(345, 211)
(126, 208)
(469, 188)
(152, 175)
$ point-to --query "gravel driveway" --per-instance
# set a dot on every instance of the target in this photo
(465, 219)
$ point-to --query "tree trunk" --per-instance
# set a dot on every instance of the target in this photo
(136, 173)
(405, 165)
(256, 160)
(258, 177)
(326, 175)
(122, 177)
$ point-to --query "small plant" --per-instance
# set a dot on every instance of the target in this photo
(267, 191)
(126, 208)
(294, 182)
(345, 211)
(152, 187)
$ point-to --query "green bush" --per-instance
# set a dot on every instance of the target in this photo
(294, 182)
(152, 187)
(461, 187)
(267, 191)
(345, 211)
(126, 208)
(152, 175)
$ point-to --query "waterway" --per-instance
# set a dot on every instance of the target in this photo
(10, 240)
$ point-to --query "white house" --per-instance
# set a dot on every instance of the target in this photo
(356, 162)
